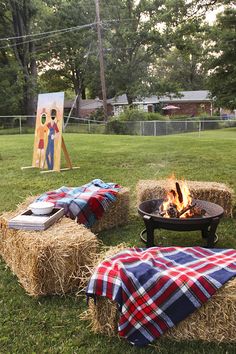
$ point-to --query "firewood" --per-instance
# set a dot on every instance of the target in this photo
(178, 189)
(173, 192)
(172, 211)
(188, 207)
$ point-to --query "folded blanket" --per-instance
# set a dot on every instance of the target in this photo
(158, 287)
(86, 203)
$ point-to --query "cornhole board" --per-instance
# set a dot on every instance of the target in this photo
(48, 139)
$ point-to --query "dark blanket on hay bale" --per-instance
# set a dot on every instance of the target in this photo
(214, 321)
(51, 261)
(213, 192)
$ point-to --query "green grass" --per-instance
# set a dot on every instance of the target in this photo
(52, 324)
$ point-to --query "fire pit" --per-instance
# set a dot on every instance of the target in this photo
(179, 212)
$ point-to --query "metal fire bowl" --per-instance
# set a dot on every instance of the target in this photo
(150, 208)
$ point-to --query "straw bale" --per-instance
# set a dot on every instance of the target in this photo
(214, 321)
(213, 192)
(117, 213)
(104, 253)
(50, 261)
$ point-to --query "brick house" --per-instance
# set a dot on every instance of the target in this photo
(86, 107)
(190, 103)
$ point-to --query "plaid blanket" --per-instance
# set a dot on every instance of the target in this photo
(86, 203)
(156, 288)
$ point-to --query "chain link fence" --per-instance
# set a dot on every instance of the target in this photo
(20, 124)
(170, 127)
(25, 125)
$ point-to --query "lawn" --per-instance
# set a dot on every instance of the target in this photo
(52, 324)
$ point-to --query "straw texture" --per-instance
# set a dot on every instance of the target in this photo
(213, 192)
(50, 261)
(214, 321)
(116, 215)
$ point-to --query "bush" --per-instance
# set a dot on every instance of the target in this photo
(139, 115)
(115, 127)
(180, 117)
(97, 115)
(156, 116)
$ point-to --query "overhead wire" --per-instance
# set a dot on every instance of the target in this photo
(50, 35)
(42, 33)
(57, 32)
(67, 29)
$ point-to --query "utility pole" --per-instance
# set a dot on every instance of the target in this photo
(101, 60)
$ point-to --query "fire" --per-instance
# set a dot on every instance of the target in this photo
(178, 201)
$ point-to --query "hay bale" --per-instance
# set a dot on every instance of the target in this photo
(214, 321)
(213, 192)
(50, 261)
(117, 213)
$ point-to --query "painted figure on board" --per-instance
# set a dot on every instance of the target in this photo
(41, 130)
(53, 132)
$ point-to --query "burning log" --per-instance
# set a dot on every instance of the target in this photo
(172, 211)
(178, 203)
(173, 192)
(178, 189)
(188, 207)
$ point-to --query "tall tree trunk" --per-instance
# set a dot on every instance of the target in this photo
(83, 93)
(77, 82)
(130, 99)
(24, 50)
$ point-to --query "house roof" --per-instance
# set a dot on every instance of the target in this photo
(118, 100)
(185, 96)
(86, 104)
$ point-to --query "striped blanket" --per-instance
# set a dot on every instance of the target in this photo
(86, 203)
(158, 287)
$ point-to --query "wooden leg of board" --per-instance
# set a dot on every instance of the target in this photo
(67, 157)
(28, 167)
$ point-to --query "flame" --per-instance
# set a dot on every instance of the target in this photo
(173, 198)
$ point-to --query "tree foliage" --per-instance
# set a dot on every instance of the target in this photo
(150, 47)
(10, 78)
(222, 65)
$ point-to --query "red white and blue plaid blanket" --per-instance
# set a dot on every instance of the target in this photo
(158, 287)
(86, 203)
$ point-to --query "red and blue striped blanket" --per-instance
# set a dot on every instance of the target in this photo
(158, 287)
(86, 203)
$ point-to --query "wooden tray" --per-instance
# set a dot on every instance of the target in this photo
(28, 221)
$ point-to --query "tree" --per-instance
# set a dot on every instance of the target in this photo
(222, 64)
(67, 59)
(10, 78)
(130, 40)
(23, 13)
(183, 63)
(22, 19)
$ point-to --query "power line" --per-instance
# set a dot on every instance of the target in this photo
(43, 37)
(101, 59)
(61, 30)
(56, 32)
(40, 34)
